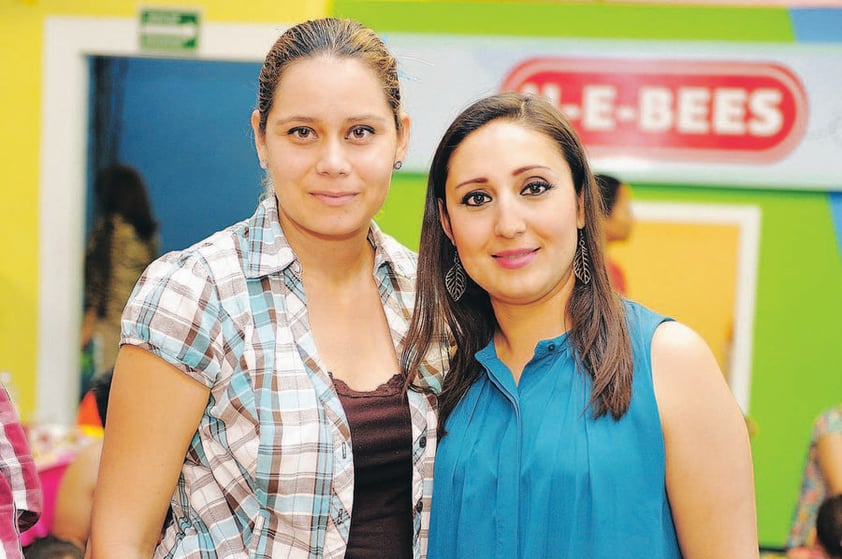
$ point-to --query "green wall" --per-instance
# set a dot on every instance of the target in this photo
(797, 352)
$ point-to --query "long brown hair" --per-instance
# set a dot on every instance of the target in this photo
(120, 191)
(598, 334)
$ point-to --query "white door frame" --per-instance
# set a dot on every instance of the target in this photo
(68, 44)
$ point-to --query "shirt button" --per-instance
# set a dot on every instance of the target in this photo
(551, 347)
(419, 506)
(422, 442)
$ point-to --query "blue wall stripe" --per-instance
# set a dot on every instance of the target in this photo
(817, 25)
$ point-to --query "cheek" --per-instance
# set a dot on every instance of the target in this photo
(286, 162)
(561, 230)
(469, 237)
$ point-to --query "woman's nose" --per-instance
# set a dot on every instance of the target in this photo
(510, 219)
(333, 159)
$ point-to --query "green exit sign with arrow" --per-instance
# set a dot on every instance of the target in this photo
(175, 31)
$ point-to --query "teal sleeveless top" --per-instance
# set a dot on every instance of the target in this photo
(526, 472)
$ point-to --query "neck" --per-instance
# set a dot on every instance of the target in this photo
(521, 327)
(336, 260)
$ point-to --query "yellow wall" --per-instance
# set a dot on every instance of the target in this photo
(21, 40)
(687, 271)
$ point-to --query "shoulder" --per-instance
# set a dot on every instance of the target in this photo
(219, 254)
(681, 358)
(676, 341)
(687, 378)
(829, 421)
(195, 280)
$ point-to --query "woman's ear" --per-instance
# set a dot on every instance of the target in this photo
(259, 138)
(444, 219)
(580, 209)
(403, 137)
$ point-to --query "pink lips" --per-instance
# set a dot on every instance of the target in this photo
(513, 259)
(334, 198)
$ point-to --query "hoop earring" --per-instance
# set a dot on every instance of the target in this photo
(397, 165)
(454, 280)
(581, 260)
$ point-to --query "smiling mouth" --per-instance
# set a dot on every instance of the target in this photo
(515, 253)
(513, 259)
(334, 198)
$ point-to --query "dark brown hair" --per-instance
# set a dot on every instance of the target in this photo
(598, 334)
(829, 525)
(343, 38)
(608, 188)
(120, 191)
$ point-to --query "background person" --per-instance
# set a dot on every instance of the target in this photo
(822, 478)
(577, 424)
(72, 519)
(618, 222)
(20, 488)
(259, 380)
(829, 526)
(51, 547)
(122, 243)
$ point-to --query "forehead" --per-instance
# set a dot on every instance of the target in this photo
(505, 144)
(327, 80)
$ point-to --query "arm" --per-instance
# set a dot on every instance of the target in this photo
(153, 412)
(829, 456)
(72, 520)
(709, 475)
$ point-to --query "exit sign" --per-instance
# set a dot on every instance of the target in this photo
(169, 30)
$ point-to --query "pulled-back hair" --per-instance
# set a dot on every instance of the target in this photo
(598, 334)
(342, 38)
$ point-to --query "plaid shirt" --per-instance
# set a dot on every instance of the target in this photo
(20, 488)
(269, 472)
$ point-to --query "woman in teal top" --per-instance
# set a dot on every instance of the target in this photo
(576, 486)
(578, 425)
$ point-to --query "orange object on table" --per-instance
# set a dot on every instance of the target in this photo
(87, 415)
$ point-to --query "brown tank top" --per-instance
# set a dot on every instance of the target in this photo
(381, 435)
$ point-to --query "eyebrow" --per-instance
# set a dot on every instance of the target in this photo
(367, 117)
(516, 172)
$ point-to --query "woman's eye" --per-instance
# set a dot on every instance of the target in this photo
(536, 187)
(360, 132)
(476, 199)
(301, 132)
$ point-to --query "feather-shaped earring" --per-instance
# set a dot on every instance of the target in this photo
(455, 279)
(581, 260)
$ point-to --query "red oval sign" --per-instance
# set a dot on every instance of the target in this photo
(670, 109)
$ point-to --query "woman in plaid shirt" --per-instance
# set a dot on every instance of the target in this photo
(258, 391)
